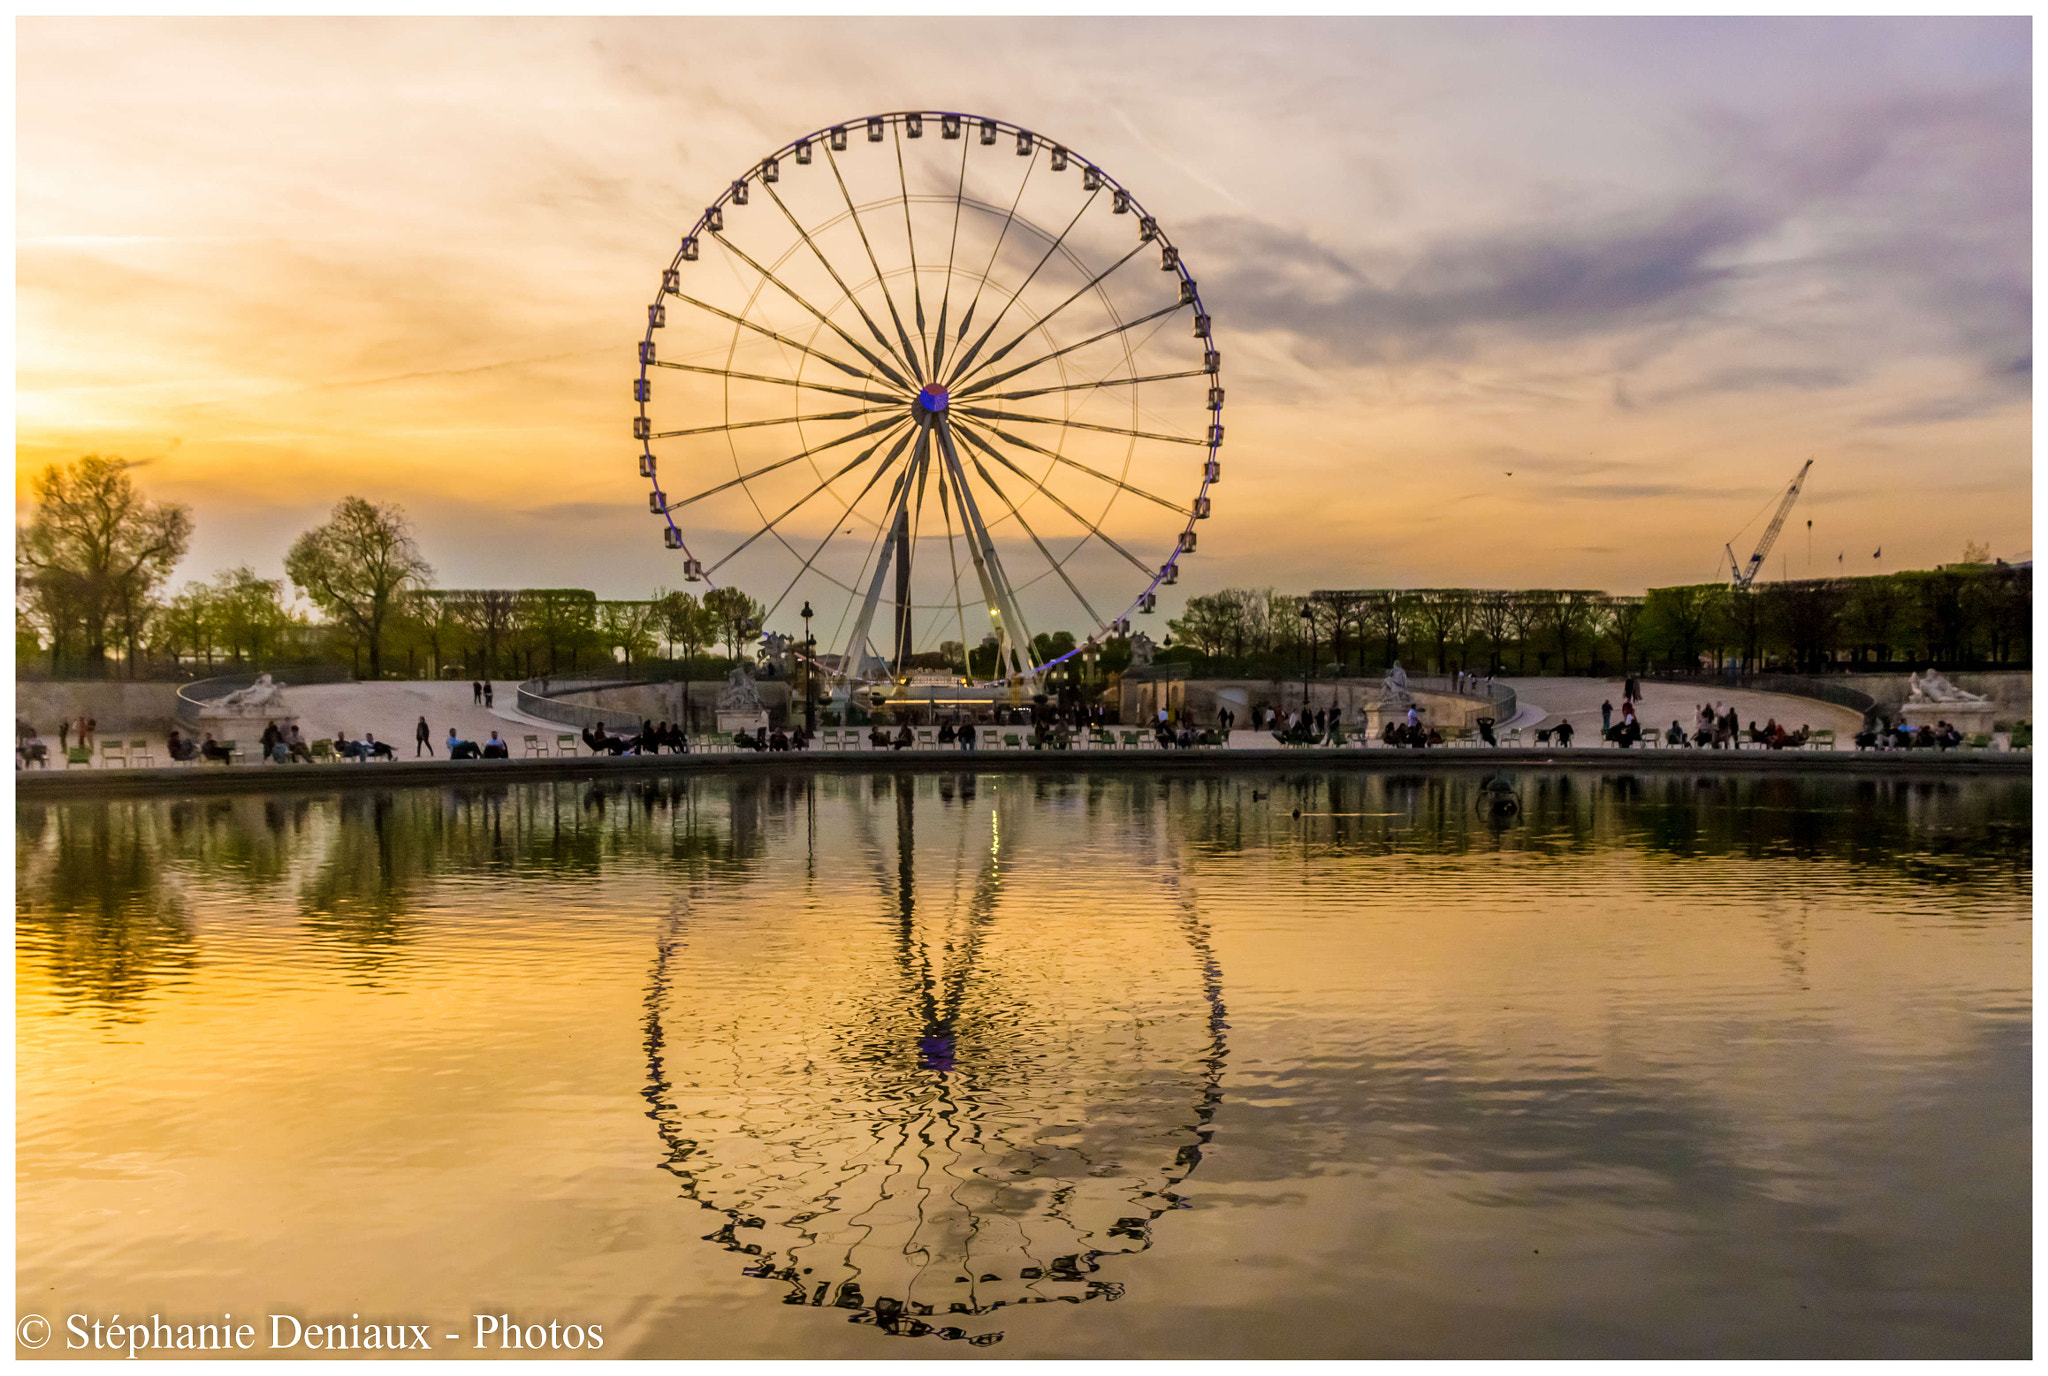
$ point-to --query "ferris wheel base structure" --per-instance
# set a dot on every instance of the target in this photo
(936, 361)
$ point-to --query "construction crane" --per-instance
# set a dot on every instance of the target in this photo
(1745, 576)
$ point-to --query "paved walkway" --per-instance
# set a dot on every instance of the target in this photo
(1578, 700)
(391, 712)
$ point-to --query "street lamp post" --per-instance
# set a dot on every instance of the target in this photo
(810, 653)
(1308, 627)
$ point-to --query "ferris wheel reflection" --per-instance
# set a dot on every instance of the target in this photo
(941, 1086)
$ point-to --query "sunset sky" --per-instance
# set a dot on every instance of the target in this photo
(1502, 303)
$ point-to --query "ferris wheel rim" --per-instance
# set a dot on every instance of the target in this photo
(966, 369)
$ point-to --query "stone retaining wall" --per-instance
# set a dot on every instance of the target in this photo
(1355, 697)
(119, 707)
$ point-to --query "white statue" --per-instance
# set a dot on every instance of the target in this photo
(776, 652)
(739, 694)
(264, 695)
(1932, 687)
(1394, 687)
(1142, 650)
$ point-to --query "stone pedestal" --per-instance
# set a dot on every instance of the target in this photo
(1970, 718)
(729, 722)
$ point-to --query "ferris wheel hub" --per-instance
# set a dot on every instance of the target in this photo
(932, 399)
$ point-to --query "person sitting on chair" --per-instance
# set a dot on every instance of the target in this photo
(181, 747)
(1564, 733)
(946, 734)
(1485, 725)
(904, 738)
(377, 749)
(1676, 735)
(495, 749)
(214, 750)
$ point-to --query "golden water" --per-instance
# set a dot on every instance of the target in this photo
(1009, 1066)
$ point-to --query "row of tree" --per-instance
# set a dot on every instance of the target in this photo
(1976, 615)
(93, 560)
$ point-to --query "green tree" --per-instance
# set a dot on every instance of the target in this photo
(737, 616)
(92, 555)
(627, 627)
(355, 567)
(684, 621)
(248, 614)
(1207, 623)
(1621, 619)
(1050, 645)
(486, 616)
(554, 622)
(1680, 618)
(185, 627)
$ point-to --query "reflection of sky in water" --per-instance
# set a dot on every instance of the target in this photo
(1660, 1066)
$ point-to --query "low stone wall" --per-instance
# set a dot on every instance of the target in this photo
(1355, 697)
(618, 705)
(118, 707)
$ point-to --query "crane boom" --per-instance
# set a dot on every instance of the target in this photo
(1745, 576)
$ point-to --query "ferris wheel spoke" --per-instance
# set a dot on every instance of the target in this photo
(1091, 471)
(1008, 219)
(840, 282)
(873, 478)
(798, 457)
(782, 339)
(896, 407)
(980, 413)
(895, 316)
(938, 342)
(1089, 386)
(961, 392)
(851, 464)
(995, 487)
(961, 373)
(910, 238)
(978, 442)
(822, 318)
(967, 360)
(853, 392)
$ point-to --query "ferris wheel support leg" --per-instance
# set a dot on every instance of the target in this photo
(856, 648)
(995, 587)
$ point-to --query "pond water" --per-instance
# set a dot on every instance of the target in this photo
(949, 1066)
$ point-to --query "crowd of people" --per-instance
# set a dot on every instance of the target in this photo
(649, 740)
(1883, 735)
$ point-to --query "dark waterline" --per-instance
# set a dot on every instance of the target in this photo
(895, 1065)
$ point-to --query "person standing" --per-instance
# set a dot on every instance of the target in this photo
(1606, 716)
(63, 734)
(487, 692)
(423, 739)
(476, 692)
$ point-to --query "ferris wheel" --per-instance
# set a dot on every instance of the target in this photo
(942, 377)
